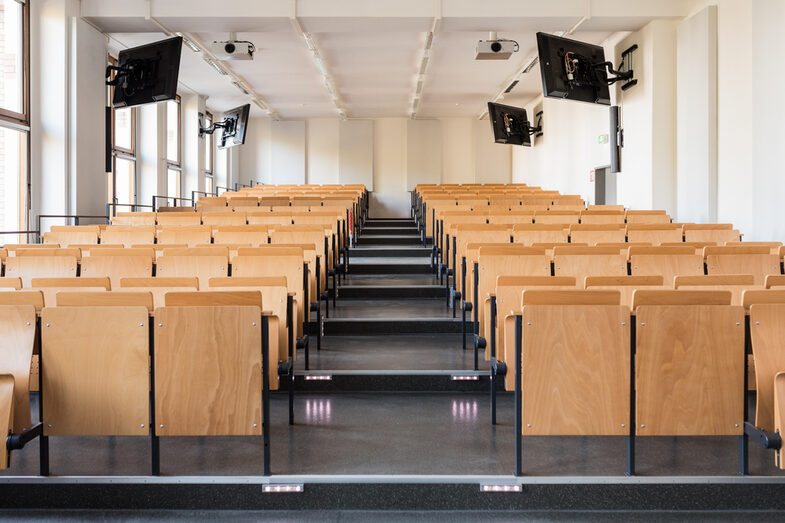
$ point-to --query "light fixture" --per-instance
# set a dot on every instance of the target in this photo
(283, 488)
(424, 65)
(309, 42)
(240, 87)
(215, 65)
(187, 41)
(318, 377)
(465, 377)
(501, 488)
(429, 40)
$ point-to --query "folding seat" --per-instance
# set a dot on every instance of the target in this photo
(317, 235)
(557, 217)
(605, 208)
(576, 380)
(698, 246)
(774, 246)
(594, 234)
(10, 284)
(667, 262)
(710, 232)
(689, 364)
(736, 284)
(119, 263)
(51, 286)
(160, 248)
(655, 234)
(18, 325)
(269, 218)
(550, 246)
(12, 248)
(60, 263)
(128, 235)
(65, 235)
(593, 217)
(757, 261)
(134, 218)
(272, 201)
(95, 349)
(775, 281)
(200, 262)
(224, 218)
(179, 218)
(190, 235)
(647, 217)
(243, 203)
(526, 234)
(465, 234)
(159, 286)
(626, 285)
(211, 203)
(511, 217)
(306, 201)
(255, 235)
(580, 262)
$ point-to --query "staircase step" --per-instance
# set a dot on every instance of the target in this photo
(388, 268)
(392, 381)
(390, 222)
(392, 326)
(393, 231)
(369, 292)
(390, 239)
(390, 252)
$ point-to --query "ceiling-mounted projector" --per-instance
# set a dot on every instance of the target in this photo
(233, 50)
(495, 48)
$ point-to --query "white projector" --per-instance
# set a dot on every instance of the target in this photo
(233, 50)
(495, 49)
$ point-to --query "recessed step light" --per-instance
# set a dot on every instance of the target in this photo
(501, 488)
(318, 377)
(283, 488)
(465, 377)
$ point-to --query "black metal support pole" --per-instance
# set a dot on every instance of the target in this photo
(266, 393)
(493, 359)
(455, 268)
(631, 435)
(43, 444)
(476, 311)
(461, 301)
(307, 309)
(446, 282)
(290, 335)
(155, 447)
(518, 398)
(744, 446)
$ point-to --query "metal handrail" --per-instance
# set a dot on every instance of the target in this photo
(167, 198)
(112, 207)
(201, 193)
(221, 187)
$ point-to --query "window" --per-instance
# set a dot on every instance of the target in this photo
(173, 150)
(209, 142)
(122, 180)
(14, 119)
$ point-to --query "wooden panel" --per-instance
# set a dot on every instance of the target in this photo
(10, 284)
(711, 235)
(689, 370)
(540, 233)
(557, 217)
(759, 265)
(71, 251)
(207, 249)
(675, 262)
(569, 297)
(594, 234)
(6, 416)
(243, 202)
(767, 330)
(779, 411)
(202, 267)
(269, 219)
(626, 285)
(576, 380)
(581, 262)
(213, 298)
(134, 218)
(17, 323)
(223, 218)
(602, 217)
(179, 218)
(736, 284)
(29, 267)
(647, 217)
(775, 281)
(105, 299)
(191, 236)
(159, 287)
(253, 237)
(654, 234)
(208, 377)
(128, 236)
(65, 238)
(96, 376)
(117, 267)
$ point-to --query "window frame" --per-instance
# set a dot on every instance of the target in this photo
(12, 118)
(170, 164)
(118, 151)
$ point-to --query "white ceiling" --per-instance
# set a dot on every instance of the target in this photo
(372, 49)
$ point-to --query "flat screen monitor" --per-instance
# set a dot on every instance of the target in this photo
(573, 70)
(148, 73)
(235, 122)
(510, 124)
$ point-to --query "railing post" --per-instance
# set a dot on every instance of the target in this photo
(518, 397)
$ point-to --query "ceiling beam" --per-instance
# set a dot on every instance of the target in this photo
(319, 62)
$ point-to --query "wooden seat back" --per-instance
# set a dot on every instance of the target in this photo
(178, 263)
(540, 233)
(647, 217)
(119, 263)
(602, 217)
(159, 286)
(255, 235)
(18, 325)
(223, 218)
(626, 285)
(29, 267)
(667, 262)
(242, 202)
(10, 284)
(128, 235)
(51, 286)
(710, 232)
(655, 234)
(191, 235)
(134, 219)
(179, 218)
(735, 283)
(593, 234)
(757, 261)
(580, 262)
(66, 235)
(689, 364)
(567, 217)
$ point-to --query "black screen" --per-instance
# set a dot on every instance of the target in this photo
(510, 124)
(235, 121)
(148, 73)
(571, 70)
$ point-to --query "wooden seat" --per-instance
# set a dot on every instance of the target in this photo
(689, 364)
(119, 263)
(179, 218)
(29, 267)
(189, 235)
(134, 219)
(159, 286)
(647, 217)
(12, 248)
(65, 235)
(202, 263)
(242, 202)
(593, 234)
(775, 281)
(576, 380)
(667, 262)
(540, 233)
(223, 218)
(602, 217)
(96, 370)
(736, 284)
(626, 285)
(774, 246)
(221, 345)
(511, 217)
(10, 284)
(211, 203)
(757, 261)
(580, 262)
(566, 217)
(51, 286)
(654, 233)
(710, 232)
(269, 218)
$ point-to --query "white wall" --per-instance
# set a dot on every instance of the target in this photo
(150, 152)
(355, 152)
(321, 137)
(697, 117)
(390, 197)
(287, 156)
(457, 150)
(423, 152)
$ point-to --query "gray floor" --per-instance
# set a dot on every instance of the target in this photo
(389, 279)
(415, 308)
(393, 433)
(411, 352)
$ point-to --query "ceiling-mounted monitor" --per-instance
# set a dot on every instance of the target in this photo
(146, 74)
(510, 125)
(234, 123)
(573, 70)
